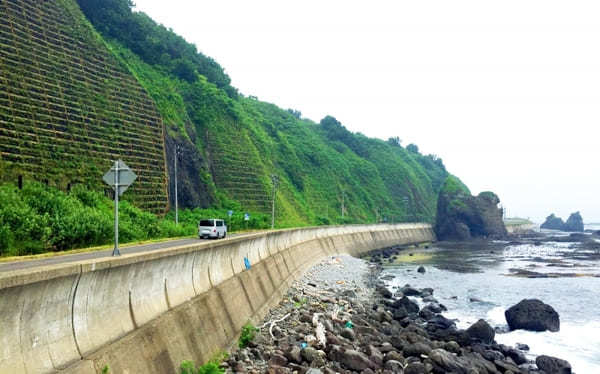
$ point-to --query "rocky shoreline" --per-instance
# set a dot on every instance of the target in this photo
(341, 318)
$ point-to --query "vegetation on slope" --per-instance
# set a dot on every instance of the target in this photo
(39, 218)
(238, 142)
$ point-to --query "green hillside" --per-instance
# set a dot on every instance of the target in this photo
(232, 144)
(85, 82)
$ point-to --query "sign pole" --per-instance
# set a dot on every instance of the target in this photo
(116, 250)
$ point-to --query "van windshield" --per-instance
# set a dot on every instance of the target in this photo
(206, 222)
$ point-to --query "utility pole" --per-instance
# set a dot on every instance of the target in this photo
(275, 181)
(116, 251)
(176, 153)
(343, 198)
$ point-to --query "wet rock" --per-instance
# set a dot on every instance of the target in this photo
(517, 356)
(522, 347)
(421, 269)
(533, 315)
(553, 365)
(451, 346)
(407, 290)
(383, 291)
(482, 331)
(406, 303)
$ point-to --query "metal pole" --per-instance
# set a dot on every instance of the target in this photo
(176, 200)
(116, 250)
(274, 180)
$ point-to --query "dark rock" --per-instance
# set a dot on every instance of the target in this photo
(505, 366)
(383, 291)
(533, 315)
(386, 347)
(274, 369)
(294, 354)
(553, 365)
(394, 366)
(482, 331)
(446, 362)
(415, 368)
(517, 356)
(416, 349)
(309, 354)
(277, 360)
(407, 290)
(440, 322)
(406, 303)
(461, 216)
(305, 317)
(355, 360)
(426, 314)
(348, 334)
(421, 269)
(553, 222)
(574, 223)
(522, 347)
(393, 355)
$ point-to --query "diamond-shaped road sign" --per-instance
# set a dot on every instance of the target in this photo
(124, 178)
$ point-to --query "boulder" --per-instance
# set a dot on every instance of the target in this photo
(532, 315)
(355, 360)
(553, 365)
(406, 303)
(446, 362)
(415, 368)
(481, 331)
(421, 269)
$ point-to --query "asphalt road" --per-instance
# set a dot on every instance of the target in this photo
(27, 264)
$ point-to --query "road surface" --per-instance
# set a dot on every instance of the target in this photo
(27, 264)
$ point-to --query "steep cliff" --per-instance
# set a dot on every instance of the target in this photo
(461, 216)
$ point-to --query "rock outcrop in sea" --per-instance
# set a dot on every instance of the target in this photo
(573, 224)
(461, 216)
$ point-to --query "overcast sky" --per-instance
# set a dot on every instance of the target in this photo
(507, 93)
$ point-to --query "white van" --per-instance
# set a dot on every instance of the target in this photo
(212, 228)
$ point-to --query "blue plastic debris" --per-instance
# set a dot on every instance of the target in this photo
(247, 263)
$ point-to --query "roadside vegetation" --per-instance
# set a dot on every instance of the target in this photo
(39, 219)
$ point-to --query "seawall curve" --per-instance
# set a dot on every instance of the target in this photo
(145, 313)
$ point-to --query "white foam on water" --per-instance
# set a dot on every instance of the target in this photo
(577, 343)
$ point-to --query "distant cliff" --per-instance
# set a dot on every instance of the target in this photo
(461, 216)
(574, 223)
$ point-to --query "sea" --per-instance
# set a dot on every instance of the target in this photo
(483, 280)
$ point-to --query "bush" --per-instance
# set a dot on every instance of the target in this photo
(247, 335)
(211, 367)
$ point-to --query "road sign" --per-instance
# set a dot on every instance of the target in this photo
(124, 178)
(120, 177)
(230, 213)
(246, 217)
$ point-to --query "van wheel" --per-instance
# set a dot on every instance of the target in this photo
(224, 234)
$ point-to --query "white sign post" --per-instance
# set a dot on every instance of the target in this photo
(120, 177)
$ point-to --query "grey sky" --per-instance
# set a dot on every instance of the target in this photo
(507, 93)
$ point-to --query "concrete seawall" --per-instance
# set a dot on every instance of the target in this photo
(145, 313)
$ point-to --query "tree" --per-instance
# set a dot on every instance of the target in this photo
(396, 141)
(412, 148)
